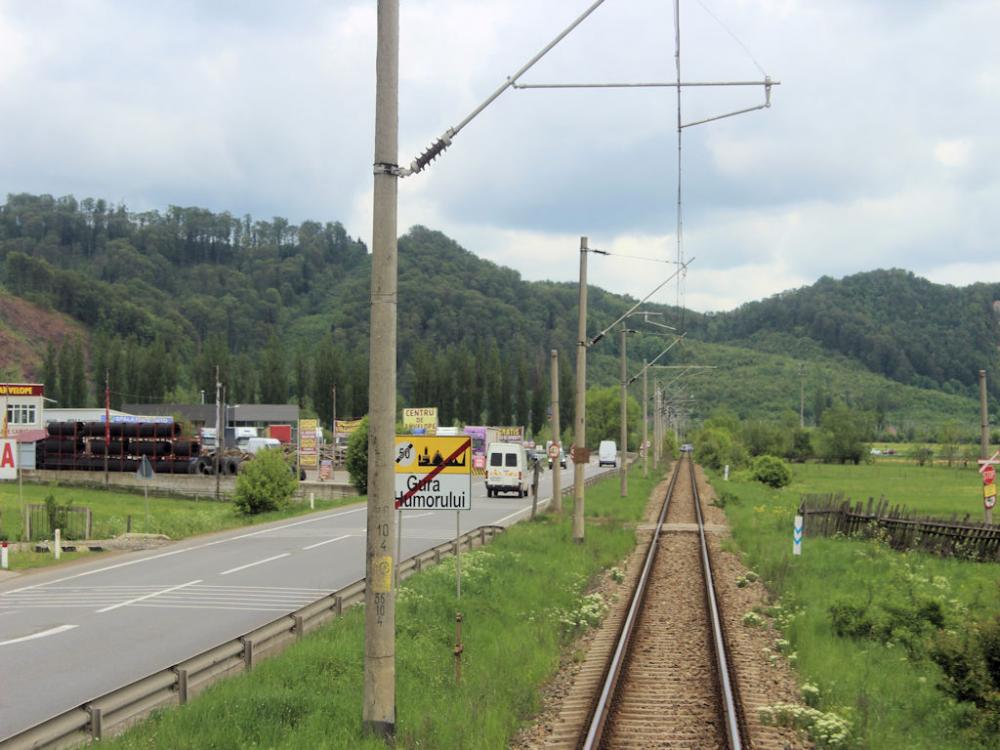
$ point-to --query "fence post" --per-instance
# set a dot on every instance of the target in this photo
(27, 525)
(90, 524)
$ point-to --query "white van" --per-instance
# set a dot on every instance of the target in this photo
(507, 469)
(255, 444)
(607, 453)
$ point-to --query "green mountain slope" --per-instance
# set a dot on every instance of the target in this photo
(284, 311)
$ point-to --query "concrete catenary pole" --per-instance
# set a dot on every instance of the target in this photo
(657, 429)
(107, 424)
(984, 418)
(645, 420)
(556, 468)
(379, 713)
(622, 469)
(218, 435)
(984, 431)
(580, 431)
(802, 398)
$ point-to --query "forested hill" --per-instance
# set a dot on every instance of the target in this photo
(891, 321)
(166, 296)
(158, 299)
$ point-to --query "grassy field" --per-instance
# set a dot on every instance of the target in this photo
(882, 681)
(173, 517)
(935, 490)
(523, 600)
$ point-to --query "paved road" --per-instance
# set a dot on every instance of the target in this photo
(70, 635)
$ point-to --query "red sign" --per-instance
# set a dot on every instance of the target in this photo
(989, 474)
(21, 389)
(554, 451)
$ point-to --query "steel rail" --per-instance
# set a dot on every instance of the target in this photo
(735, 726)
(599, 715)
(732, 715)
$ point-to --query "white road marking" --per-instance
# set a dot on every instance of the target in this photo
(185, 549)
(147, 596)
(259, 562)
(327, 541)
(50, 631)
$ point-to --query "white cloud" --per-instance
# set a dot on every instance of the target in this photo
(879, 150)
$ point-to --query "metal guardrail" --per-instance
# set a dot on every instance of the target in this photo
(114, 712)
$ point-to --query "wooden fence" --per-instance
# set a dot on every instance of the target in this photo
(827, 515)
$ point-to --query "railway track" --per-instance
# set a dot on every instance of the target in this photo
(668, 682)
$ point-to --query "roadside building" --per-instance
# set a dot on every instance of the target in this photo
(22, 406)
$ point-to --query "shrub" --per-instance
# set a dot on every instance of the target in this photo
(265, 483)
(772, 471)
(357, 457)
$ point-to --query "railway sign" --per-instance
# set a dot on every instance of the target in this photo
(553, 451)
(989, 474)
(797, 536)
(433, 473)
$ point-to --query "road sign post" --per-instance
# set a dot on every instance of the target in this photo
(435, 473)
(989, 473)
(146, 473)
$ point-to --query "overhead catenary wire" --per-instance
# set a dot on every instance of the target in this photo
(446, 138)
(662, 284)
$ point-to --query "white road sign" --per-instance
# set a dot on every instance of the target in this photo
(8, 459)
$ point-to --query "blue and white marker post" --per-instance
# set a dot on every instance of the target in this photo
(797, 536)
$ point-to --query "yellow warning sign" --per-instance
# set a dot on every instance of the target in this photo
(989, 490)
(416, 454)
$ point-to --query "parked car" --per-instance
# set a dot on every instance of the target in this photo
(607, 453)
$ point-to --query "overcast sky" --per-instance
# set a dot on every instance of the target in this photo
(880, 150)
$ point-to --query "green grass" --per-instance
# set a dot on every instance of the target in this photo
(933, 490)
(176, 518)
(887, 688)
(521, 596)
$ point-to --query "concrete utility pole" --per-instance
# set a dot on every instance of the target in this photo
(580, 458)
(645, 420)
(984, 418)
(622, 469)
(379, 712)
(333, 394)
(556, 468)
(802, 398)
(657, 430)
(107, 424)
(984, 431)
(218, 435)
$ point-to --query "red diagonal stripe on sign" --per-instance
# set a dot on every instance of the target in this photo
(437, 470)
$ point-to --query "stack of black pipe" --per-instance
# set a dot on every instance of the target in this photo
(82, 446)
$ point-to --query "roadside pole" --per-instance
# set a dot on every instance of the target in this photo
(333, 393)
(379, 702)
(218, 435)
(984, 432)
(580, 456)
(622, 469)
(556, 466)
(107, 425)
(645, 420)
